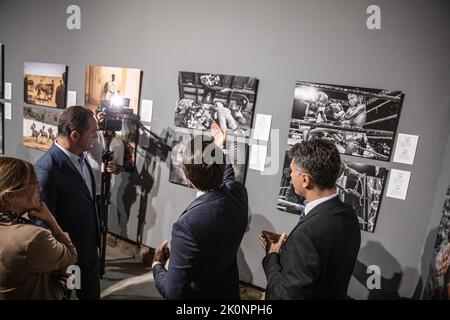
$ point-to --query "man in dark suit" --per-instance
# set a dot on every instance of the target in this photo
(207, 235)
(316, 261)
(68, 189)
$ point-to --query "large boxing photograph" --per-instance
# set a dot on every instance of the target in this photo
(45, 84)
(237, 155)
(359, 185)
(120, 87)
(226, 99)
(360, 121)
(40, 127)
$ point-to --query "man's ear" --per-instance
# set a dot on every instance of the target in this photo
(75, 135)
(307, 182)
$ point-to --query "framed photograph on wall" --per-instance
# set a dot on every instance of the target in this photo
(237, 151)
(40, 127)
(121, 87)
(361, 122)
(45, 84)
(206, 97)
(359, 185)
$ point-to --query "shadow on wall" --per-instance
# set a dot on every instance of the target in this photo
(254, 250)
(139, 185)
(375, 254)
(421, 291)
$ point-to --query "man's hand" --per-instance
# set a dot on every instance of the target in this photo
(112, 167)
(99, 116)
(220, 135)
(162, 254)
(270, 243)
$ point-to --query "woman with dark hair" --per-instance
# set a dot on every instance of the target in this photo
(33, 260)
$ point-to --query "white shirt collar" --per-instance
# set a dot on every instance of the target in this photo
(72, 156)
(311, 205)
(200, 193)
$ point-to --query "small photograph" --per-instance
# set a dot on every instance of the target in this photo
(225, 99)
(40, 127)
(360, 121)
(45, 84)
(120, 87)
(237, 150)
(359, 185)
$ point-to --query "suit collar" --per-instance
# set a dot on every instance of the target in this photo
(70, 171)
(324, 206)
(206, 197)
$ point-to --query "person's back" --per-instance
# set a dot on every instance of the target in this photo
(217, 221)
(32, 262)
(335, 230)
(207, 235)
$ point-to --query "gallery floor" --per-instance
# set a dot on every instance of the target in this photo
(127, 277)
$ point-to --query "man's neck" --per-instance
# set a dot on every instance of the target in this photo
(316, 194)
(66, 144)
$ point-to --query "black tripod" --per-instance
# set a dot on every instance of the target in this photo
(104, 198)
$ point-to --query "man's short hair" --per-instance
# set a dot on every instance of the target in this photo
(203, 164)
(320, 158)
(74, 118)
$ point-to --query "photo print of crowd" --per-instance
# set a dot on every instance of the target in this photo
(226, 99)
(359, 185)
(360, 121)
(237, 154)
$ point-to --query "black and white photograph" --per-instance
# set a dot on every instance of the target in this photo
(437, 283)
(359, 185)
(226, 99)
(2, 80)
(237, 154)
(361, 122)
(45, 84)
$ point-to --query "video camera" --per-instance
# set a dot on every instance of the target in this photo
(114, 110)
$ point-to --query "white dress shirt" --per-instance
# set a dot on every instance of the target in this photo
(311, 205)
(80, 164)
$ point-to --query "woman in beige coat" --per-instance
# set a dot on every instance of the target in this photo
(33, 260)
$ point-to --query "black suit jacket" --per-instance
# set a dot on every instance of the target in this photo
(318, 257)
(204, 245)
(68, 198)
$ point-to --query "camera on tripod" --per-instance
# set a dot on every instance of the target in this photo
(114, 111)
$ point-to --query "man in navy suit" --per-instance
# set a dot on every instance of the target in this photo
(207, 235)
(317, 259)
(68, 189)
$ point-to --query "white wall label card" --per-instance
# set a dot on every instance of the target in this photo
(8, 114)
(405, 150)
(258, 155)
(262, 127)
(71, 98)
(8, 90)
(146, 110)
(398, 184)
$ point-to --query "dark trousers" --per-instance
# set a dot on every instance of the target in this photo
(90, 280)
